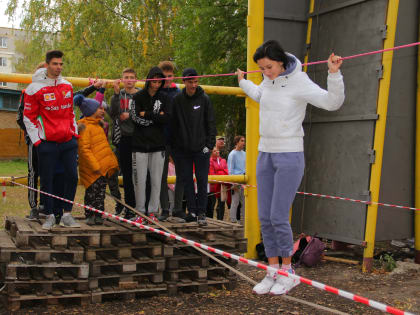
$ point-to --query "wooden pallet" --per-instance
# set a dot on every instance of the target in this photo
(125, 281)
(23, 271)
(210, 232)
(149, 250)
(116, 260)
(44, 287)
(124, 233)
(127, 294)
(14, 303)
(38, 252)
(186, 259)
(191, 272)
(201, 286)
(25, 232)
(125, 266)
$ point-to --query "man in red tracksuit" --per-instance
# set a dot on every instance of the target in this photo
(50, 123)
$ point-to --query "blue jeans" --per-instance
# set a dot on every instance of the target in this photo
(49, 154)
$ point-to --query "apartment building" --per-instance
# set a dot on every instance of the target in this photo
(11, 137)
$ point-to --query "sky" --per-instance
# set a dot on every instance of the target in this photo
(4, 22)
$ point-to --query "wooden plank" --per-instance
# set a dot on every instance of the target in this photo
(23, 226)
(6, 241)
(37, 227)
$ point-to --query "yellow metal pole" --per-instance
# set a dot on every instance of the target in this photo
(417, 176)
(209, 89)
(379, 139)
(255, 24)
(308, 33)
(241, 179)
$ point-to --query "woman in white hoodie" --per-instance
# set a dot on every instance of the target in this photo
(283, 96)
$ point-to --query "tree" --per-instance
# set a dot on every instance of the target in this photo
(211, 36)
(101, 37)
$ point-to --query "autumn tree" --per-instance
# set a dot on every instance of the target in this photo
(101, 37)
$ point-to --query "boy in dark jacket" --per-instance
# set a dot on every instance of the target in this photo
(171, 90)
(123, 127)
(193, 137)
(150, 114)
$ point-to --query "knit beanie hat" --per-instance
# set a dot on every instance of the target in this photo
(88, 106)
(189, 72)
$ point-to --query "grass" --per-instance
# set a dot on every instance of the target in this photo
(16, 202)
(13, 168)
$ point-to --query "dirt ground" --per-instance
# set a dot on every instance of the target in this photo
(399, 290)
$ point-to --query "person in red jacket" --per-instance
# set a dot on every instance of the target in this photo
(218, 166)
(50, 123)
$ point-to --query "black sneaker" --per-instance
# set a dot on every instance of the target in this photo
(119, 209)
(201, 220)
(191, 217)
(99, 220)
(33, 214)
(164, 215)
(177, 217)
(129, 215)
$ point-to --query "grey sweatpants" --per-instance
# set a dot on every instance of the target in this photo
(237, 197)
(142, 162)
(278, 178)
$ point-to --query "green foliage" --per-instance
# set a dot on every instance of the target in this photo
(211, 36)
(101, 37)
(387, 262)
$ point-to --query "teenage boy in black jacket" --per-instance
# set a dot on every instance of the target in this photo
(150, 114)
(171, 90)
(193, 137)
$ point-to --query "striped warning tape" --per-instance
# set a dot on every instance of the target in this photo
(331, 197)
(315, 284)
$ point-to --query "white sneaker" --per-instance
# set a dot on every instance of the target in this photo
(283, 285)
(265, 285)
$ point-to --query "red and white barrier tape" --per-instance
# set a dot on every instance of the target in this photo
(332, 197)
(315, 284)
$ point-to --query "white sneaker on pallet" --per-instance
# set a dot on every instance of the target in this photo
(68, 221)
(265, 285)
(283, 285)
(49, 222)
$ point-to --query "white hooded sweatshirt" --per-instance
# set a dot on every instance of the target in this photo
(283, 106)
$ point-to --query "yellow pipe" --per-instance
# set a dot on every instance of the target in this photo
(379, 139)
(255, 24)
(240, 179)
(209, 89)
(417, 176)
(308, 33)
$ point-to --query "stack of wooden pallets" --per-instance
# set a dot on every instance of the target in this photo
(116, 260)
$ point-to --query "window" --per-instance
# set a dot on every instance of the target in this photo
(3, 84)
(3, 61)
(3, 42)
(10, 102)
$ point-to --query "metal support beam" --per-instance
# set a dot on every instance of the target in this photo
(379, 139)
(82, 82)
(255, 23)
(417, 168)
(240, 179)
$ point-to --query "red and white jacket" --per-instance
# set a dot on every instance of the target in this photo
(48, 112)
